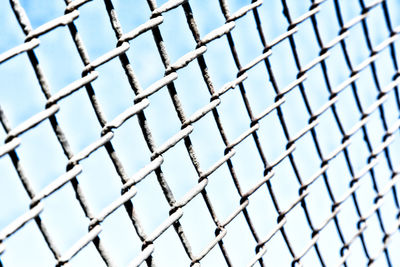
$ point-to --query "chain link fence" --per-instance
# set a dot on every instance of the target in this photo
(188, 133)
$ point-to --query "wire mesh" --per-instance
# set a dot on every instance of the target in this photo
(243, 133)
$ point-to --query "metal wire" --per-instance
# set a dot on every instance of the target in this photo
(378, 153)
